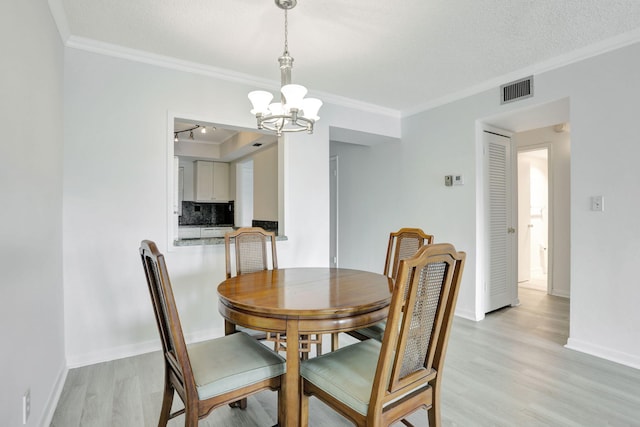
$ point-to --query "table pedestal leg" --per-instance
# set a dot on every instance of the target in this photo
(229, 328)
(291, 384)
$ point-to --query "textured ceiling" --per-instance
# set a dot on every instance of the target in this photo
(392, 54)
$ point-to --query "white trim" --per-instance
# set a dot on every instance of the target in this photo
(559, 61)
(117, 51)
(136, 349)
(604, 353)
(82, 43)
(560, 294)
(335, 196)
(469, 315)
(54, 397)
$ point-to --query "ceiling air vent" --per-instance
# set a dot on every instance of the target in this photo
(520, 89)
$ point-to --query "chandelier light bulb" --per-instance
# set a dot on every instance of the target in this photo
(260, 100)
(203, 129)
(293, 95)
(310, 108)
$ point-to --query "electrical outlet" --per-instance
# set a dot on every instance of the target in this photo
(26, 406)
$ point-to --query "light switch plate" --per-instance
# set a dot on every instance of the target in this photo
(597, 203)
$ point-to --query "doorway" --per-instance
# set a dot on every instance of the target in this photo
(533, 218)
(541, 126)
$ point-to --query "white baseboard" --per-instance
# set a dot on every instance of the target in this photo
(604, 353)
(78, 360)
(468, 314)
(54, 397)
(562, 294)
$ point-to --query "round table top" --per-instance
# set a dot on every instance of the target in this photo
(307, 292)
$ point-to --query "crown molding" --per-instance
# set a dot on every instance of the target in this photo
(608, 45)
(122, 52)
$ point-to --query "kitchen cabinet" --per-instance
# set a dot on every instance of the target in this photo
(211, 181)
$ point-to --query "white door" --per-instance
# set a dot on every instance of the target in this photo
(500, 278)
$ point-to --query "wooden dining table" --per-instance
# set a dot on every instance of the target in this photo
(303, 301)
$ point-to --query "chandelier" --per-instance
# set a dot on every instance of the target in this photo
(294, 112)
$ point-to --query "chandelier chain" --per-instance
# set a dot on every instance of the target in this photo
(286, 32)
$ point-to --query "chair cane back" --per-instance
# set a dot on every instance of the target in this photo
(403, 244)
(376, 383)
(251, 255)
(208, 374)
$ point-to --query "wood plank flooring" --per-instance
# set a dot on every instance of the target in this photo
(510, 369)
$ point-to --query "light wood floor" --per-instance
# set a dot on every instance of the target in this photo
(510, 369)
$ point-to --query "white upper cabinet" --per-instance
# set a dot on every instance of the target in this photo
(211, 181)
(221, 181)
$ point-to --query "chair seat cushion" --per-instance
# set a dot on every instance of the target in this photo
(375, 331)
(231, 362)
(346, 374)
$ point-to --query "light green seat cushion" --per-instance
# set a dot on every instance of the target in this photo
(375, 331)
(231, 362)
(346, 374)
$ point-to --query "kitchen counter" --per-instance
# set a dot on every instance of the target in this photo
(210, 241)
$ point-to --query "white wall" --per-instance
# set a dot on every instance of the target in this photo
(31, 305)
(115, 194)
(385, 186)
(605, 246)
(560, 167)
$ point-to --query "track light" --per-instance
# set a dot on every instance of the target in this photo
(203, 130)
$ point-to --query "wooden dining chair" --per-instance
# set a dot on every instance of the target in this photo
(251, 255)
(403, 244)
(375, 383)
(207, 374)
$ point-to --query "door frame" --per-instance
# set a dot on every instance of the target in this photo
(333, 208)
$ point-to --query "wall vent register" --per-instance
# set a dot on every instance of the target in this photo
(514, 91)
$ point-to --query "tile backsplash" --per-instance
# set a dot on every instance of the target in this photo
(267, 225)
(195, 213)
